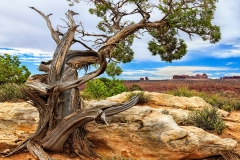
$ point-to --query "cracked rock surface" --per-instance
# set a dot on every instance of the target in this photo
(152, 131)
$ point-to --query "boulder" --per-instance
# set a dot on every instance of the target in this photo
(17, 121)
(143, 132)
(166, 100)
(153, 131)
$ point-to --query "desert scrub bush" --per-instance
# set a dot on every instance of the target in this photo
(10, 92)
(135, 87)
(214, 99)
(226, 104)
(143, 98)
(230, 105)
(237, 104)
(207, 119)
(101, 88)
(165, 111)
(182, 91)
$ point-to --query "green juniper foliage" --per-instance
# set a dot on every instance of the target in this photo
(101, 88)
(11, 71)
(113, 70)
(192, 17)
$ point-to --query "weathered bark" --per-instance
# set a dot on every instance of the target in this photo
(57, 98)
(37, 151)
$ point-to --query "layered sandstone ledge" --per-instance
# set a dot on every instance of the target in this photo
(153, 131)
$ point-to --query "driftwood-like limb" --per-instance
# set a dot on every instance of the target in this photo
(80, 53)
(37, 151)
(54, 34)
(55, 140)
(109, 111)
(39, 103)
(39, 87)
(80, 144)
(117, 109)
(38, 78)
(43, 67)
(79, 62)
(59, 55)
(72, 84)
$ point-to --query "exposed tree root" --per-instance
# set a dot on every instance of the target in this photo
(37, 151)
(56, 138)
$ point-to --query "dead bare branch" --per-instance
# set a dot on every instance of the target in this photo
(53, 33)
(75, 40)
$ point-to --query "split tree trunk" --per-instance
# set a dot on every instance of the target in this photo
(57, 98)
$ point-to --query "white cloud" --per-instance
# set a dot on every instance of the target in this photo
(31, 30)
(30, 51)
(232, 74)
(227, 17)
(226, 54)
(28, 54)
(230, 63)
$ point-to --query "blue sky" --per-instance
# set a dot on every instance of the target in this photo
(24, 33)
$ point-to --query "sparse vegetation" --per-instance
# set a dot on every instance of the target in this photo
(181, 91)
(225, 103)
(101, 88)
(9, 92)
(135, 87)
(143, 98)
(207, 119)
(225, 88)
(165, 111)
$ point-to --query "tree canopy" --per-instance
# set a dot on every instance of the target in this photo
(113, 70)
(11, 70)
(123, 21)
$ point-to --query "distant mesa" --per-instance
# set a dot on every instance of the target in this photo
(142, 79)
(198, 76)
(230, 77)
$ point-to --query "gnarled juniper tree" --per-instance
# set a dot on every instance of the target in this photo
(56, 95)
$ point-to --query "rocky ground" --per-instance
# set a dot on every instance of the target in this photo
(152, 131)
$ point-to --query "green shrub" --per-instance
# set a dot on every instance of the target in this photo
(101, 88)
(9, 92)
(213, 99)
(135, 87)
(236, 104)
(230, 105)
(12, 71)
(226, 104)
(207, 119)
(143, 98)
(227, 107)
(182, 91)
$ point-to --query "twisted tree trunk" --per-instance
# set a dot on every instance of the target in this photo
(57, 98)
